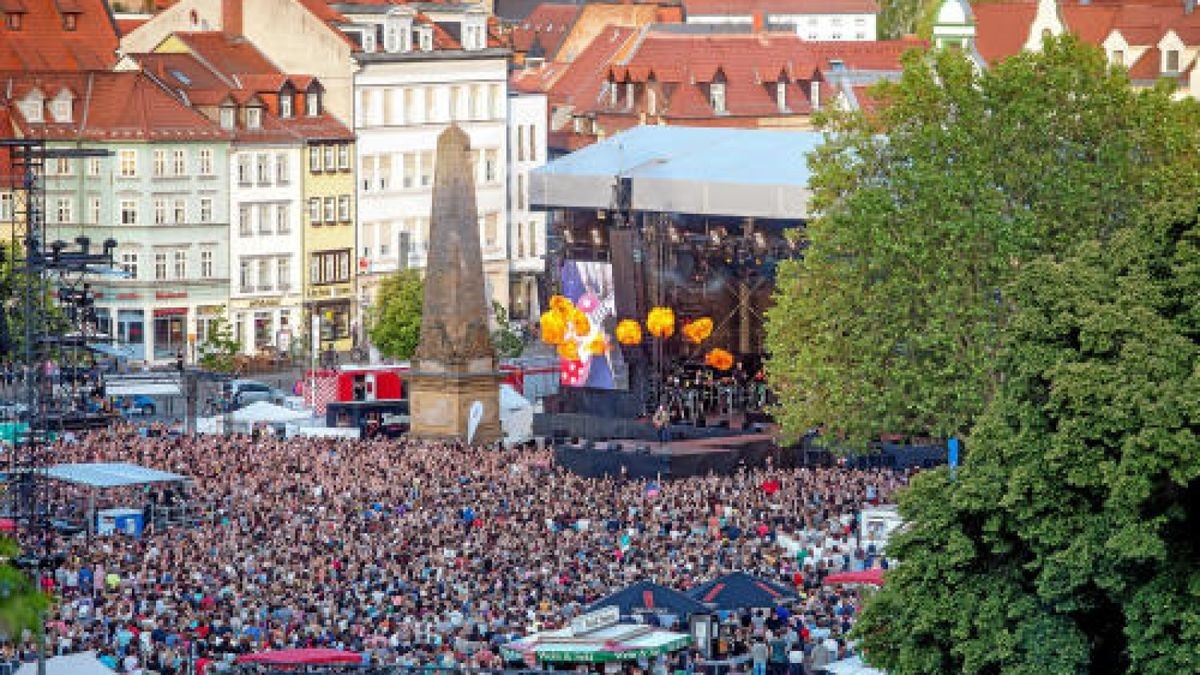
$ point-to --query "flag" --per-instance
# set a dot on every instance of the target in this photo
(652, 490)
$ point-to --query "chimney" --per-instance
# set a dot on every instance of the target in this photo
(757, 21)
(231, 17)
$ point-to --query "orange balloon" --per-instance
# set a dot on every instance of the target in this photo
(719, 359)
(554, 330)
(699, 330)
(629, 332)
(661, 322)
(598, 346)
(569, 351)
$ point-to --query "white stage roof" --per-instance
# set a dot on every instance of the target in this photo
(701, 171)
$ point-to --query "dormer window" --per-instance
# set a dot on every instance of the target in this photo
(614, 90)
(425, 38)
(228, 116)
(12, 20)
(397, 31)
(474, 30)
(60, 109)
(630, 94)
(1171, 61)
(716, 97)
(33, 107)
(312, 103)
(1118, 57)
(781, 95)
(70, 21)
(285, 105)
(368, 41)
(254, 117)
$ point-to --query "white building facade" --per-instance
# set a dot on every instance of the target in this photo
(826, 20)
(527, 228)
(408, 89)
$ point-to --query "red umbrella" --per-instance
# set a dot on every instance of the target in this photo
(302, 657)
(872, 576)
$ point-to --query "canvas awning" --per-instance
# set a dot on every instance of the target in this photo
(742, 591)
(621, 642)
(111, 475)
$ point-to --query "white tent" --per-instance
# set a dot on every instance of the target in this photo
(516, 416)
(261, 411)
(84, 663)
(851, 666)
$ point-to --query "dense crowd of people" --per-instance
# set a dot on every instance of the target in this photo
(435, 554)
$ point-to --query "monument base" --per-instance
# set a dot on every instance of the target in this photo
(440, 400)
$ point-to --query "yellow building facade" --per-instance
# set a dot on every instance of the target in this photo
(330, 266)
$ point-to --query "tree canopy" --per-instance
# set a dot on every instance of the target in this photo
(218, 353)
(1067, 542)
(931, 207)
(396, 327)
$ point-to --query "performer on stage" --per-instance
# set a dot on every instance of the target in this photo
(662, 422)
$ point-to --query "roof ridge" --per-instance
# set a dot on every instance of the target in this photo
(642, 32)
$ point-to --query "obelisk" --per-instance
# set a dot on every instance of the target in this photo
(455, 365)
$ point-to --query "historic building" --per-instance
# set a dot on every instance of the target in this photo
(822, 20)
(527, 227)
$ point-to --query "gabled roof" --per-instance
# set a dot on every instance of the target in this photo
(580, 83)
(226, 54)
(548, 24)
(109, 106)
(595, 18)
(43, 42)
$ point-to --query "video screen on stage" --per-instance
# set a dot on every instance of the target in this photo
(599, 363)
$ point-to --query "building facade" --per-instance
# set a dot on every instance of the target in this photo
(162, 194)
(527, 230)
(330, 269)
(819, 20)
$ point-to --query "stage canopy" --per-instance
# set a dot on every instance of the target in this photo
(742, 591)
(700, 171)
(646, 597)
(111, 475)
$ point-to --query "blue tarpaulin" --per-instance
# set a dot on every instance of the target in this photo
(111, 475)
(742, 591)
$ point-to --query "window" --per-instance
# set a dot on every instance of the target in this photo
(283, 223)
(781, 95)
(410, 169)
(1171, 61)
(160, 265)
(179, 212)
(129, 212)
(312, 104)
(281, 169)
(12, 21)
(160, 163)
(521, 191)
(533, 142)
(245, 224)
(717, 97)
(283, 273)
(128, 162)
(314, 211)
(179, 162)
(264, 219)
(314, 158)
(344, 208)
(264, 169)
(129, 264)
(285, 105)
(330, 209)
(244, 277)
(254, 117)
(181, 264)
(206, 161)
(490, 166)
(93, 166)
(330, 159)
(206, 209)
(206, 264)
(490, 223)
(228, 115)
(520, 142)
(1118, 57)
(426, 168)
(160, 211)
(70, 21)
(63, 210)
(264, 275)
(94, 210)
(62, 166)
(344, 157)
(6, 206)
(243, 170)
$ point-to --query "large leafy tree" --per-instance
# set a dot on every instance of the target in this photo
(396, 325)
(1067, 541)
(930, 207)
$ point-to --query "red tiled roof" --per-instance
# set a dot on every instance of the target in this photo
(551, 23)
(126, 26)
(580, 84)
(232, 56)
(109, 106)
(748, 7)
(1002, 28)
(750, 64)
(43, 42)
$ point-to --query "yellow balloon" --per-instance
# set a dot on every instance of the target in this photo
(629, 332)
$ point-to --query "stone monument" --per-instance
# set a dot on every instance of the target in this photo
(455, 364)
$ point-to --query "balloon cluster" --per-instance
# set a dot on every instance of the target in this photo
(698, 331)
(564, 324)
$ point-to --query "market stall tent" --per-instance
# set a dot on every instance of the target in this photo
(620, 642)
(646, 597)
(742, 591)
(83, 663)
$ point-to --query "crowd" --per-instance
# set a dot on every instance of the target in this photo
(419, 553)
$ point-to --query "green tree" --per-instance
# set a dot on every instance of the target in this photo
(22, 605)
(1067, 543)
(929, 208)
(507, 339)
(396, 328)
(218, 352)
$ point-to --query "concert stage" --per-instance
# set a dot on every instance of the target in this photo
(639, 458)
